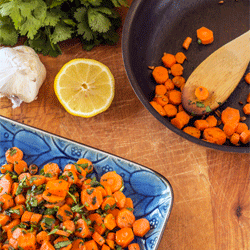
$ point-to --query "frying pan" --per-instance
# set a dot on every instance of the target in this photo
(153, 27)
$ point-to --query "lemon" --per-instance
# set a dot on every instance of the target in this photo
(85, 87)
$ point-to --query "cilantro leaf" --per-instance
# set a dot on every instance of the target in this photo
(62, 32)
(97, 21)
(52, 18)
(8, 33)
(95, 2)
(119, 3)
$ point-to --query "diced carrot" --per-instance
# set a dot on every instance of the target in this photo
(20, 199)
(99, 223)
(212, 121)
(176, 69)
(247, 78)
(27, 241)
(187, 43)
(168, 60)
(46, 246)
(78, 244)
(4, 219)
(141, 227)
(246, 109)
(158, 108)
(180, 57)
(82, 229)
(64, 213)
(111, 236)
(35, 218)
(177, 123)
(12, 224)
(105, 247)
(42, 236)
(120, 199)
(183, 116)
(91, 245)
(124, 236)
(62, 239)
(5, 184)
(17, 211)
(241, 127)
(205, 35)
(125, 218)
(201, 124)
(7, 201)
(160, 74)
(248, 98)
(230, 128)
(214, 135)
(245, 136)
(26, 216)
(98, 238)
(7, 167)
(235, 138)
(192, 131)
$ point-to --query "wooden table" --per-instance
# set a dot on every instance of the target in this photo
(211, 188)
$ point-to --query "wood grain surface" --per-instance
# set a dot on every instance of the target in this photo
(211, 188)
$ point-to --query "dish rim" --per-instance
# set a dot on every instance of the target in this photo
(133, 82)
(160, 176)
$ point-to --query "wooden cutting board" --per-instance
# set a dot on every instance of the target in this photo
(211, 188)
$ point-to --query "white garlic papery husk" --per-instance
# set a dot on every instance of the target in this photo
(21, 74)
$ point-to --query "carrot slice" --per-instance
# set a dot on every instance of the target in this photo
(160, 74)
(91, 198)
(124, 236)
(205, 35)
(187, 43)
(13, 154)
(168, 60)
(113, 180)
(141, 227)
(125, 218)
(201, 93)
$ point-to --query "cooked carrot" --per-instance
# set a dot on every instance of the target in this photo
(70, 176)
(247, 78)
(26, 216)
(52, 198)
(82, 229)
(86, 164)
(98, 238)
(245, 136)
(91, 245)
(170, 110)
(187, 43)
(17, 211)
(35, 218)
(37, 180)
(108, 202)
(125, 218)
(162, 100)
(205, 35)
(111, 236)
(92, 198)
(12, 224)
(46, 246)
(58, 187)
(78, 244)
(7, 201)
(178, 81)
(201, 93)
(20, 199)
(168, 60)
(33, 169)
(20, 166)
(113, 180)
(183, 116)
(212, 121)
(69, 226)
(169, 84)
(246, 109)
(178, 123)
(98, 223)
(158, 108)
(64, 213)
(180, 57)
(214, 135)
(235, 138)
(133, 246)
(13, 154)
(230, 128)
(111, 243)
(27, 241)
(109, 221)
(248, 98)
(201, 124)
(120, 199)
(51, 169)
(230, 115)
(14, 188)
(57, 243)
(174, 97)
(124, 236)
(192, 131)
(7, 167)
(105, 247)
(180, 108)
(5, 184)
(241, 127)
(177, 70)
(160, 90)
(141, 227)
(42, 236)
(160, 74)
(47, 222)
(4, 219)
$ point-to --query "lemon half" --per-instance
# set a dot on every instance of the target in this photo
(85, 87)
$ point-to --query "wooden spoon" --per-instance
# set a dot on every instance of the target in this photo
(220, 73)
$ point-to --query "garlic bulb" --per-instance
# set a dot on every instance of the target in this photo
(21, 74)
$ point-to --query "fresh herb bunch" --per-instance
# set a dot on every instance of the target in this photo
(45, 23)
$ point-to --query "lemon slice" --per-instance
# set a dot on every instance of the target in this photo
(85, 87)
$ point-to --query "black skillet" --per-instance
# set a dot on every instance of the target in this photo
(153, 27)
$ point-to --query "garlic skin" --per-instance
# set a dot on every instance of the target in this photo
(21, 74)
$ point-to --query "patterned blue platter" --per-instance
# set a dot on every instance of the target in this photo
(151, 193)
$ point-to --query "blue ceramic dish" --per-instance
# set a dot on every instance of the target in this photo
(151, 193)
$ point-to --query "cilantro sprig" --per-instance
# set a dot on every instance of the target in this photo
(47, 23)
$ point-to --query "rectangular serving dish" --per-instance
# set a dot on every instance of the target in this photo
(151, 193)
